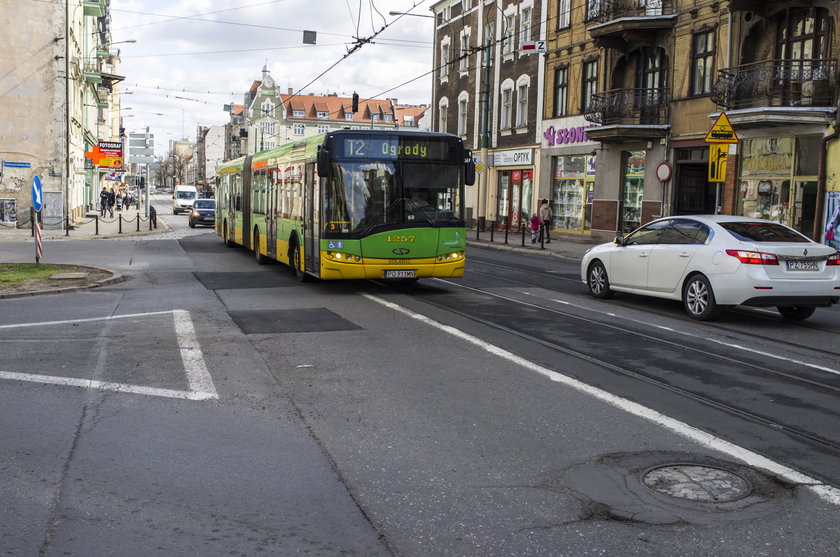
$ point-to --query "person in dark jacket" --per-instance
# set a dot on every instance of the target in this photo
(112, 200)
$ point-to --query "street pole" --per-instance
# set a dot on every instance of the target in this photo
(485, 140)
(67, 119)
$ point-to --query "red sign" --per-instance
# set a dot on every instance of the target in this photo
(107, 154)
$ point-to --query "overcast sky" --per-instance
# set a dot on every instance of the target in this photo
(194, 56)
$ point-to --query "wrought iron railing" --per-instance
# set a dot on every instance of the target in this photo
(628, 106)
(777, 83)
(608, 10)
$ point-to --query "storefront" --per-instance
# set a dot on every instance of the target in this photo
(568, 160)
(777, 180)
(515, 179)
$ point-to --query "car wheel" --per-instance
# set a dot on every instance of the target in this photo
(192, 223)
(598, 282)
(795, 313)
(296, 268)
(699, 299)
(261, 259)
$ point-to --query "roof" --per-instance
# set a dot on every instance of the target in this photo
(335, 107)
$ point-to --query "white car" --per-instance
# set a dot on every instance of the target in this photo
(714, 261)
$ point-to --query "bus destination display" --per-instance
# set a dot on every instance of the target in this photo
(395, 148)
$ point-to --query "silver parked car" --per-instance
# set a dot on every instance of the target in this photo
(714, 261)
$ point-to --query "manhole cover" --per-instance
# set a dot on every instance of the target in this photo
(696, 483)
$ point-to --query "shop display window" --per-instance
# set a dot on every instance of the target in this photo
(633, 190)
(572, 191)
(515, 193)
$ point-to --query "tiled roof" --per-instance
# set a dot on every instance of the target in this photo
(336, 107)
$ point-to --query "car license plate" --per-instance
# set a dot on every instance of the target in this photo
(802, 266)
(399, 274)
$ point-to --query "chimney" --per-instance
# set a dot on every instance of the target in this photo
(290, 91)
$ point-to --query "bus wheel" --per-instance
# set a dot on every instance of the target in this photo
(261, 259)
(226, 236)
(296, 268)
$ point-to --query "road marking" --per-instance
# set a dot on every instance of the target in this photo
(198, 377)
(825, 492)
(729, 344)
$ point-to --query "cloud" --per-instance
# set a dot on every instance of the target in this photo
(192, 57)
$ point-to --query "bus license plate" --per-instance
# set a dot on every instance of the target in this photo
(399, 274)
(802, 266)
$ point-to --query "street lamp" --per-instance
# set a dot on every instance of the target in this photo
(413, 15)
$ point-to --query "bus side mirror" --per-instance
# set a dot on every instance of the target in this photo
(323, 161)
(469, 171)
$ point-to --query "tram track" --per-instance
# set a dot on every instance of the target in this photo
(768, 421)
(713, 325)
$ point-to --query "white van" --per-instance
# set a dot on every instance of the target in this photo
(183, 198)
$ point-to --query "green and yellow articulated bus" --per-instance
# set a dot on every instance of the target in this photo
(351, 204)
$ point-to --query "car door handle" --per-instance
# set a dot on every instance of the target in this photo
(643, 255)
(684, 254)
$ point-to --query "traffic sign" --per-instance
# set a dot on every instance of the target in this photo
(533, 46)
(718, 157)
(37, 193)
(722, 131)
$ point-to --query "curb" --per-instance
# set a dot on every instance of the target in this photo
(113, 279)
(520, 249)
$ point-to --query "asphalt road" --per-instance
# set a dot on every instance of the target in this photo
(211, 406)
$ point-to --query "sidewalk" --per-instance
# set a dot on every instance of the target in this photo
(131, 222)
(558, 247)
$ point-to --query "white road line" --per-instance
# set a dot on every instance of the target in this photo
(825, 492)
(198, 377)
(729, 344)
(106, 386)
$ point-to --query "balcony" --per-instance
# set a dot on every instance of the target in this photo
(786, 86)
(627, 115)
(92, 72)
(616, 22)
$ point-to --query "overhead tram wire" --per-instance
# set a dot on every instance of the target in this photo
(175, 17)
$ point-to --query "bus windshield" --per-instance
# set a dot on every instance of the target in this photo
(364, 196)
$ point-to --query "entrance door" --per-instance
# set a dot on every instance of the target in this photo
(804, 207)
(311, 220)
(695, 195)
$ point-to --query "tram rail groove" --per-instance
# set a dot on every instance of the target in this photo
(769, 423)
(711, 324)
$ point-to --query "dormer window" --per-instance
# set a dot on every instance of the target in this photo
(348, 116)
(297, 113)
(387, 118)
(323, 114)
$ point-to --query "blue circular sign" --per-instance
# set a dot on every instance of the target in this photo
(37, 193)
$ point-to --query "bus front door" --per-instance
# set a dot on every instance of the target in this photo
(312, 221)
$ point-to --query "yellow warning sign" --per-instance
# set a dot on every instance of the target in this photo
(718, 156)
(721, 131)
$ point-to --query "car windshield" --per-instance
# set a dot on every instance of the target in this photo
(205, 204)
(186, 195)
(763, 232)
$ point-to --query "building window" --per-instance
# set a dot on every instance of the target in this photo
(702, 56)
(466, 5)
(508, 40)
(507, 107)
(298, 129)
(590, 83)
(444, 60)
(323, 114)
(489, 34)
(408, 121)
(267, 128)
(442, 116)
(462, 115)
(323, 128)
(349, 116)
(563, 14)
(561, 90)
(465, 52)
(522, 105)
(267, 108)
(297, 113)
(375, 117)
(594, 9)
(524, 25)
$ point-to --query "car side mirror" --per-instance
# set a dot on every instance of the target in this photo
(619, 240)
(469, 170)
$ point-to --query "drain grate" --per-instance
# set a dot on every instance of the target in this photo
(695, 482)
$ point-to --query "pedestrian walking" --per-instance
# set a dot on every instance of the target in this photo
(127, 202)
(545, 216)
(112, 199)
(535, 225)
(103, 201)
(119, 201)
